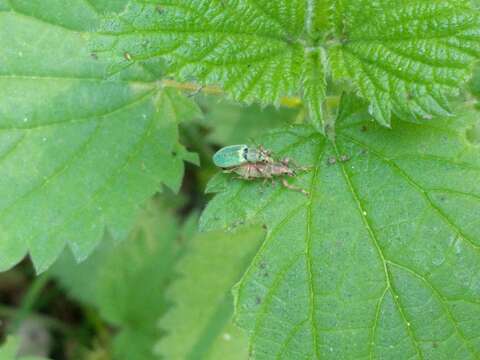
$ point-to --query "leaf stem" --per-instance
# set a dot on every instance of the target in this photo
(29, 300)
(286, 101)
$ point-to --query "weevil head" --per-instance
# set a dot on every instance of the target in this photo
(264, 156)
(255, 155)
(264, 153)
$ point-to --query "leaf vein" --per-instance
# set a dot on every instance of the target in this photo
(308, 255)
(80, 119)
(442, 300)
(421, 191)
(376, 243)
(137, 148)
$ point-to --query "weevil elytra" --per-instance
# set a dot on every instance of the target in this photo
(269, 170)
(236, 155)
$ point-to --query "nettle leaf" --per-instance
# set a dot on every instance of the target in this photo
(474, 85)
(406, 56)
(255, 51)
(77, 152)
(381, 260)
(403, 56)
(199, 324)
(127, 282)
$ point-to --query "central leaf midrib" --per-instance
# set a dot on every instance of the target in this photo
(206, 31)
(308, 252)
(394, 72)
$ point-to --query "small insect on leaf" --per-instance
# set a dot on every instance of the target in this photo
(269, 170)
(235, 155)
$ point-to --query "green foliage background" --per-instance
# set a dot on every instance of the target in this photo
(100, 100)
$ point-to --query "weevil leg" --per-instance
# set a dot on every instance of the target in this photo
(229, 170)
(262, 187)
(294, 188)
(305, 168)
(290, 163)
(267, 154)
(249, 172)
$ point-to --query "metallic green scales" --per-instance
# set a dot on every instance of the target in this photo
(236, 155)
(230, 156)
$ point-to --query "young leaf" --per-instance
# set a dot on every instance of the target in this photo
(127, 283)
(406, 56)
(381, 260)
(257, 51)
(77, 152)
(403, 56)
(199, 324)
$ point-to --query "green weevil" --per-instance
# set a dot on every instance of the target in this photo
(236, 155)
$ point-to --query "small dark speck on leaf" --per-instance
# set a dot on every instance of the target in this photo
(264, 226)
(332, 160)
(364, 128)
(159, 10)
(258, 300)
(442, 198)
(344, 38)
(94, 56)
(262, 265)
(473, 134)
(435, 345)
(174, 153)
